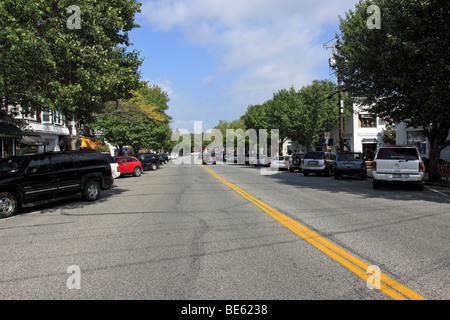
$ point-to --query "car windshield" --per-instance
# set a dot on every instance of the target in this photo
(314, 155)
(351, 156)
(398, 153)
(12, 164)
(108, 157)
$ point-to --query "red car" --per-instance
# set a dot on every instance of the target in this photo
(129, 165)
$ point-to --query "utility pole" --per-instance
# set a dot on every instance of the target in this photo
(340, 100)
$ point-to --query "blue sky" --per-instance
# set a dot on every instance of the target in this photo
(216, 57)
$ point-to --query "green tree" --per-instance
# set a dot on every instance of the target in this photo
(140, 122)
(401, 70)
(47, 63)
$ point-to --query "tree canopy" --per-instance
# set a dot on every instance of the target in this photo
(48, 62)
(400, 71)
(139, 122)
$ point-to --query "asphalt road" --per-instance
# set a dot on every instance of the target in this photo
(182, 233)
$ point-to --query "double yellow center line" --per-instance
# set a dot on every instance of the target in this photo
(360, 268)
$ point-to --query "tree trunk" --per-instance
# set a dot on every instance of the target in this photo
(75, 141)
(437, 137)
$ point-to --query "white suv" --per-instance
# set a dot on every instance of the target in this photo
(398, 164)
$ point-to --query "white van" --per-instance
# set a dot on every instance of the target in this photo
(398, 164)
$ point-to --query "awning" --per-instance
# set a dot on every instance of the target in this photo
(34, 141)
(367, 141)
(90, 144)
(10, 131)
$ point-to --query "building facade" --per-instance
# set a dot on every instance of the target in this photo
(42, 131)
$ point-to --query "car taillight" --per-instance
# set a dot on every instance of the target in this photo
(374, 166)
(421, 167)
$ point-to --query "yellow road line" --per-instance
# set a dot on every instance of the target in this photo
(360, 268)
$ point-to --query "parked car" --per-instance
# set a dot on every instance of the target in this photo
(398, 164)
(114, 165)
(129, 165)
(279, 163)
(149, 161)
(38, 179)
(350, 163)
(318, 162)
(209, 157)
(165, 157)
(295, 162)
(262, 161)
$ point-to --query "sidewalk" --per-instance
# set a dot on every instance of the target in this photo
(440, 184)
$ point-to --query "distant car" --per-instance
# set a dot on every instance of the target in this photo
(129, 165)
(173, 156)
(295, 162)
(114, 165)
(398, 164)
(262, 161)
(350, 163)
(150, 161)
(165, 157)
(279, 163)
(318, 162)
(209, 157)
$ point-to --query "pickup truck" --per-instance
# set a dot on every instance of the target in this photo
(398, 164)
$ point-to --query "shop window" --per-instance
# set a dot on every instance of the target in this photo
(46, 117)
(367, 121)
(417, 139)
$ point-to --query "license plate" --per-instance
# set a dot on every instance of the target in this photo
(312, 163)
(396, 175)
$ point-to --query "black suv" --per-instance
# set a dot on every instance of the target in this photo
(150, 161)
(37, 179)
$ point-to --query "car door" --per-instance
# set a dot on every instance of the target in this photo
(40, 180)
(67, 175)
(127, 164)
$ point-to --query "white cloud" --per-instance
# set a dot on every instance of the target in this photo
(270, 44)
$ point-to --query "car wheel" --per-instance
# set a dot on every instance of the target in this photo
(153, 166)
(291, 169)
(420, 187)
(8, 205)
(91, 190)
(305, 173)
(337, 175)
(137, 172)
(364, 176)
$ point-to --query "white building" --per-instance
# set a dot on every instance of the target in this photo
(362, 132)
(41, 131)
(416, 137)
